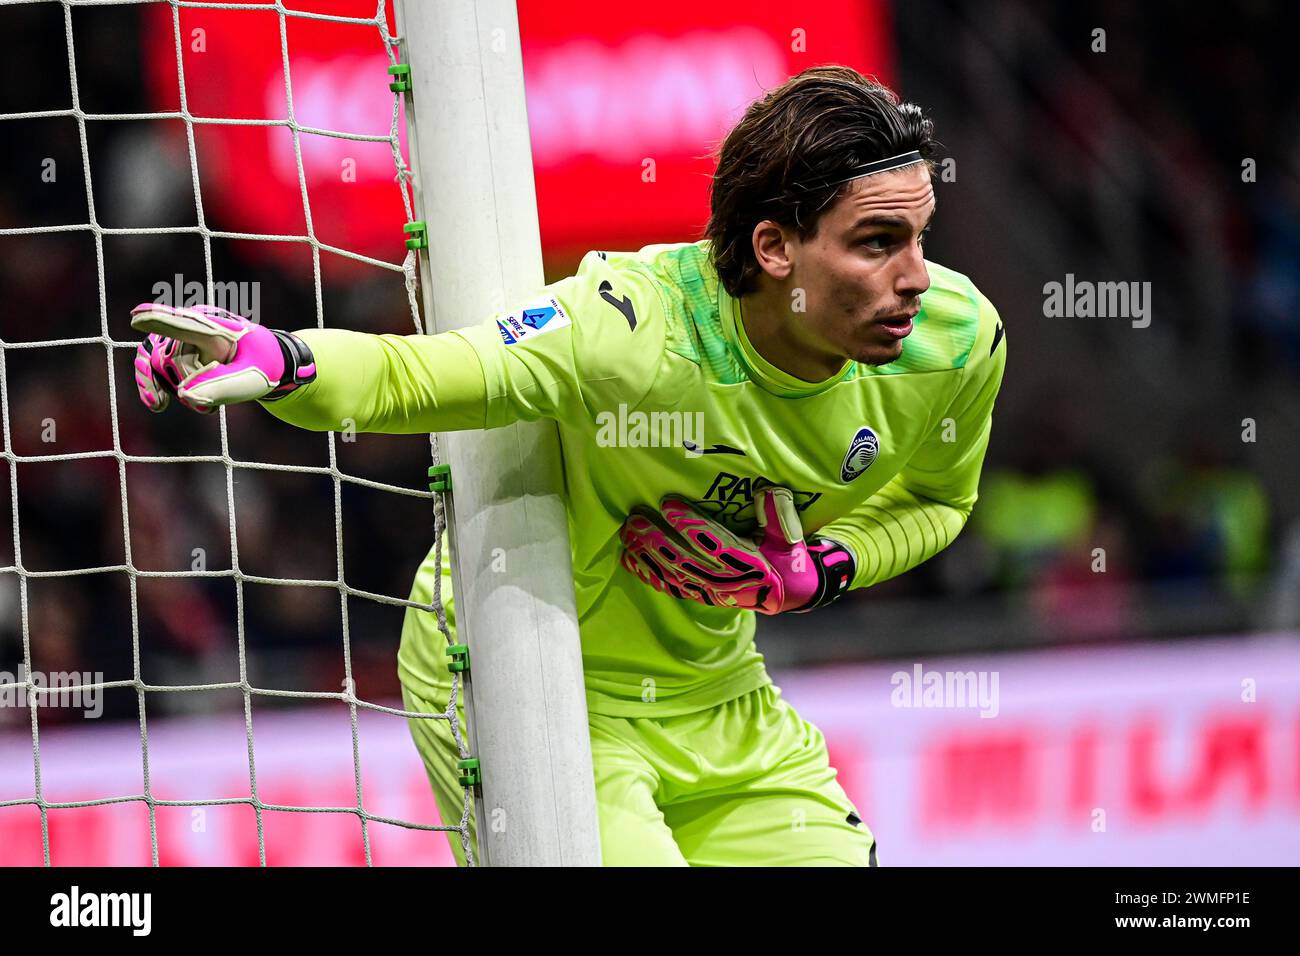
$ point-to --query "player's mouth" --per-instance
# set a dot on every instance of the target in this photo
(898, 325)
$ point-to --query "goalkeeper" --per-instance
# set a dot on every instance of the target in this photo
(846, 387)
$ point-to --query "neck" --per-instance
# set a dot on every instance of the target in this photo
(774, 334)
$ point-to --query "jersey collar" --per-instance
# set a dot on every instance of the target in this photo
(763, 372)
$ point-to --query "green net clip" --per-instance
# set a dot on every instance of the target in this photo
(470, 774)
(419, 235)
(402, 83)
(459, 654)
(440, 478)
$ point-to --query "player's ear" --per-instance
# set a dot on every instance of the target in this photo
(772, 249)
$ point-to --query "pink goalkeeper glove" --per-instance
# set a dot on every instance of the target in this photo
(207, 357)
(680, 552)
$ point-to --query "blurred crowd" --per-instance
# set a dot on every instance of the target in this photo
(1129, 490)
(1089, 549)
(1204, 88)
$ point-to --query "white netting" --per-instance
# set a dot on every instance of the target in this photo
(407, 269)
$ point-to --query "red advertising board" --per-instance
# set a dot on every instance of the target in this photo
(1130, 755)
(625, 101)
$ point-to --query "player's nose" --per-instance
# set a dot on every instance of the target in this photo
(913, 278)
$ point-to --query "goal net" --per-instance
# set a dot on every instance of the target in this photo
(267, 563)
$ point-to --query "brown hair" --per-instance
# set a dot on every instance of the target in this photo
(813, 128)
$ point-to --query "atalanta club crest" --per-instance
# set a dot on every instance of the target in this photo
(862, 452)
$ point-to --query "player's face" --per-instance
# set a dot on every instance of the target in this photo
(864, 271)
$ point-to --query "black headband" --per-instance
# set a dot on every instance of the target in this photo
(792, 195)
(875, 166)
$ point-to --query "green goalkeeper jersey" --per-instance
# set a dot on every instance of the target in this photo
(643, 361)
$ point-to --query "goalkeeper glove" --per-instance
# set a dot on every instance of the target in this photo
(679, 551)
(207, 357)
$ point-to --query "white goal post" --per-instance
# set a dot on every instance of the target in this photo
(526, 709)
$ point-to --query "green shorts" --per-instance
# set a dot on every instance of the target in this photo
(745, 783)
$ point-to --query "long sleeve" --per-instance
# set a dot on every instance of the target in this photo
(573, 343)
(921, 510)
(396, 384)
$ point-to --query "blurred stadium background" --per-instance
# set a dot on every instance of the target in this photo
(1147, 714)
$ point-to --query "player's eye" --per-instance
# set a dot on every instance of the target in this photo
(878, 242)
(920, 240)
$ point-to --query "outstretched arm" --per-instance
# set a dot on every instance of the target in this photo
(555, 357)
(395, 384)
